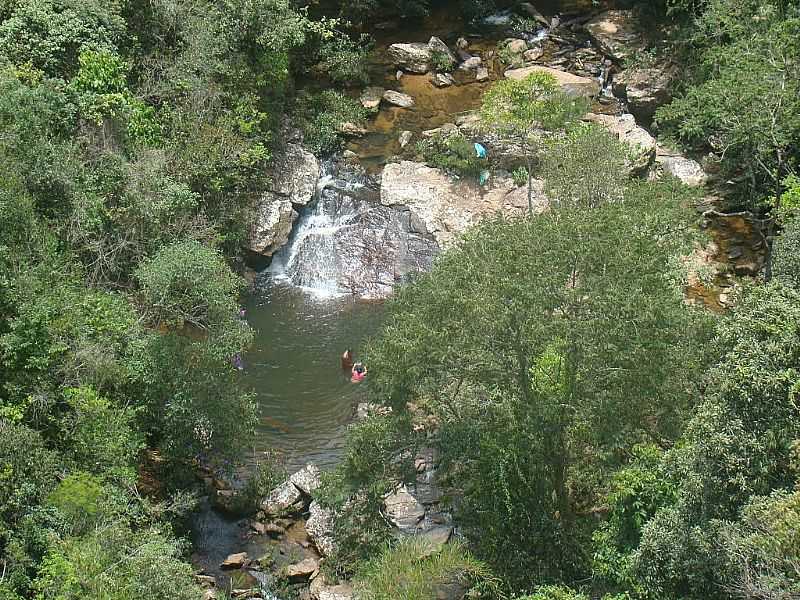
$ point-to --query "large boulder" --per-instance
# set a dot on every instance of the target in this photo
(437, 46)
(272, 225)
(403, 510)
(414, 58)
(294, 176)
(307, 479)
(445, 208)
(624, 127)
(617, 33)
(284, 499)
(572, 84)
(319, 526)
(645, 89)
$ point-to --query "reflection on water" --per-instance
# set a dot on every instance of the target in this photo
(304, 398)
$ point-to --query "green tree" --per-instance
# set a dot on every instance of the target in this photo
(542, 347)
(526, 109)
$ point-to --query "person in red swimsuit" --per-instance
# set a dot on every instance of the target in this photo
(359, 372)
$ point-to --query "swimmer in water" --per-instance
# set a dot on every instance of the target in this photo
(347, 360)
(359, 373)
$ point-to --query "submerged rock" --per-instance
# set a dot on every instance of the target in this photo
(405, 138)
(617, 33)
(572, 84)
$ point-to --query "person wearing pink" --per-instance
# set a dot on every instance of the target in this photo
(359, 373)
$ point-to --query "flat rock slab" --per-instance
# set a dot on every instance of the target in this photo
(403, 510)
(687, 170)
(572, 84)
(234, 561)
(446, 208)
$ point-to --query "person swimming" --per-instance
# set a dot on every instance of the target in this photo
(359, 372)
(347, 360)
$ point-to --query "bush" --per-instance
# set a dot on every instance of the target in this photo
(414, 570)
(441, 61)
(520, 176)
(268, 475)
(81, 498)
(321, 115)
(345, 60)
(452, 153)
(188, 283)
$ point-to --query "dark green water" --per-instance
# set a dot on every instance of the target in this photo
(304, 398)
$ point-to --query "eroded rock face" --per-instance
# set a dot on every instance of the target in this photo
(446, 208)
(642, 144)
(294, 181)
(617, 33)
(415, 57)
(572, 84)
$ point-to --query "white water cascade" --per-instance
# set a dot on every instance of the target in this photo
(311, 260)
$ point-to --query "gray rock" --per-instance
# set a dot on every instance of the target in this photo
(284, 499)
(405, 138)
(398, 99)
(415, 58)
(462, 43)
(436, 45)
(371, 97)
(687, 170)
(450, 590)
(351, 129)
(435, 538)
(337, 592)
(403, 510)
(617, 33)
(482, 74)
(274, 217)
(473, 62)
(296, 175)
(320, 528)
(642, 144)
(516, 46)
(572, 84)
(307, 479)
(645, 89)
(442, 80)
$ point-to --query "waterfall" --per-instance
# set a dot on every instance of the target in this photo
(311, 260)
